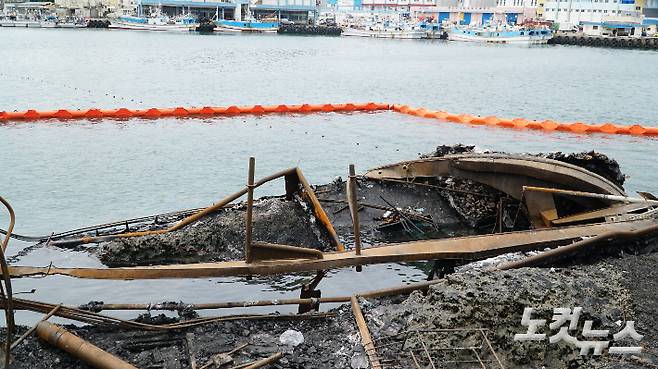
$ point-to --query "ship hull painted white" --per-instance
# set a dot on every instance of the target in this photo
(71, 25)
(22, 24)
(151, 27)
(405, 35)
(520, 40)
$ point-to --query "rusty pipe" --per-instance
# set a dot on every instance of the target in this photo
(592, 195)
(389, 291)
(59, 337)
(575, 247)
(187, 221)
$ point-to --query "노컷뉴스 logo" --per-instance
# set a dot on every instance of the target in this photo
(596, 343)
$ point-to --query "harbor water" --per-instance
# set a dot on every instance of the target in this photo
(61, 175)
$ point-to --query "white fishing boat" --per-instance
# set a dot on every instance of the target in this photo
(49, 22)
(71, 24)
(159, 22)
(432, 30)
(501, 34)
(19, 21)
(386, 30)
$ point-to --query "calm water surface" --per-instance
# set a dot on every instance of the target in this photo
(61, 175)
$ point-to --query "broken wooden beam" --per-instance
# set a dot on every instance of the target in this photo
(465, 248)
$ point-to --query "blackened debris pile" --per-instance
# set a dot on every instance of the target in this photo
(219, 237)
(593, 161)
(443, 150)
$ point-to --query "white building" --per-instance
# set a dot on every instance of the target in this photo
(96, 8)
(477, 12)
(404, 6)
(526, 9)
(572, 13)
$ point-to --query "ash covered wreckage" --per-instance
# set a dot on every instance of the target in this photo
(533, 261)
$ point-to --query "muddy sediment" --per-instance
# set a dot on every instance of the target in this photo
(609, 292)
(220, 237)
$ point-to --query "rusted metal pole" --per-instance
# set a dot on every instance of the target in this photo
(593, 195)
(250, 205)
(366, 340)
(5, 291)
(79, 348)
(354, 208)
(33, 328)
(398, 290)
(268, 360)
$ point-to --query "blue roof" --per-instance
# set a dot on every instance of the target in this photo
(650, 21)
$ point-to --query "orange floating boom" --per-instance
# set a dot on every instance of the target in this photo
(154, 113)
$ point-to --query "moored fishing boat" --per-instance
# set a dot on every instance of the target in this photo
(502, 34)
(432, 30)
(387, 30)
(249, 24)
(19, 21)
(155, 23)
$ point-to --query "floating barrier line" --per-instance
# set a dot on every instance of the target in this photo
(154, 113)
(521, 123)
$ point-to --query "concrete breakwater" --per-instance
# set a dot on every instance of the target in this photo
(302, 29)
(606, 41)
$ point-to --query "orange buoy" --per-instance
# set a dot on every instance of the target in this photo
(492, 120)
(282, 109)
(608, 128)
(232, 110)
(466, 118)
(93, 113)
(123, 113)
(505, 123)
(328, 108)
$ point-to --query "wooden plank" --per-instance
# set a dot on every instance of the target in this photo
(613, 210)
(468, 248)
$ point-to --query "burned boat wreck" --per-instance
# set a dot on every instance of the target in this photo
(522, 203)
(451, 208)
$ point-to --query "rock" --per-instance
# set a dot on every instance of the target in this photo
(359, 361)
(291, 337)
